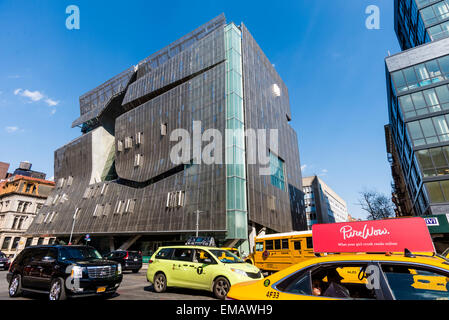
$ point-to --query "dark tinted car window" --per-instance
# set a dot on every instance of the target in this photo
(183, 254)
(164, 254)
(78, 253)
(38, 254)
(24, 257)
(2, 255)
(52, 253)
(416, 283)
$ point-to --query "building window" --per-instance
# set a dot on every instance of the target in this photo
(434, 162)
(430, 130)
(19, 225)
(137, 160)
(425, 102)
(104, 189)
(60, 183)
(438, 191)
(28, 242)
(163, 129)
(15, 243)
(119, 207)
(6, 243)
(277, 172)
(98, 210)
(421, 75)
(52, 217)
(130, 204)
(107, 209)
(175, 199)
(272, 203)
(119, 146)
(38, 207)
(128, 142)
(139, 138)
(69, 181)
(435, 13)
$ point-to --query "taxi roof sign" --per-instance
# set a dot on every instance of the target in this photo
(201, 241)
(390, 235)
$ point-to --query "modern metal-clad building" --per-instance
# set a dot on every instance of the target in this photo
(139, 175)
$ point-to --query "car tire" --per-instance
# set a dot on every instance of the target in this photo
(221, 288)
(160, 283)
(15, 286)
(57, 290)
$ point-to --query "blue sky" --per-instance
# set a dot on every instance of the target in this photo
(331, 63)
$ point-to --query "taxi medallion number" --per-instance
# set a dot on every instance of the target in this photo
(272, 295)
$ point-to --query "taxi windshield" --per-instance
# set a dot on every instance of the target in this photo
(226, 257)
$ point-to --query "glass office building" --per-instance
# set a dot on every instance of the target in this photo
(118, 182)
(418, 97)
(421, 21)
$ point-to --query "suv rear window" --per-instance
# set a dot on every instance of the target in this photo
(133, 254)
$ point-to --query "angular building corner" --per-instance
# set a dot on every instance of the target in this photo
(117, 181)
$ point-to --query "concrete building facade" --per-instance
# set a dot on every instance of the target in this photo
(322, 204)
(21, 198)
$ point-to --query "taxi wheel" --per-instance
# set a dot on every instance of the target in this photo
(160, 283)
(221, 288)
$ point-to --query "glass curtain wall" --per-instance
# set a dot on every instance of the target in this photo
(236, 204)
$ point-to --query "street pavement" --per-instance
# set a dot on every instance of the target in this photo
(133, 287)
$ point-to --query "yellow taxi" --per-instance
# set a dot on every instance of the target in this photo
(198, 267)
(357, 276)
(344, 268)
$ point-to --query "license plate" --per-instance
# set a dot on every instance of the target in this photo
(101, 289)
(135, 259)
(1, 264)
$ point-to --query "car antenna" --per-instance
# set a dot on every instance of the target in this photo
(408, 254)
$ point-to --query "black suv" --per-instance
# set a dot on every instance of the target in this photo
(63, 271)
(130, 260)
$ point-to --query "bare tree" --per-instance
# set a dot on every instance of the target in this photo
(377, 205)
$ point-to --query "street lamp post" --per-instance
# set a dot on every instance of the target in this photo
(73, 226)
(198, 220)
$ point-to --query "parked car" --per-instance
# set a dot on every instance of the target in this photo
(130, 260)
(199, 267)
(4, 261)
(63, 271)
